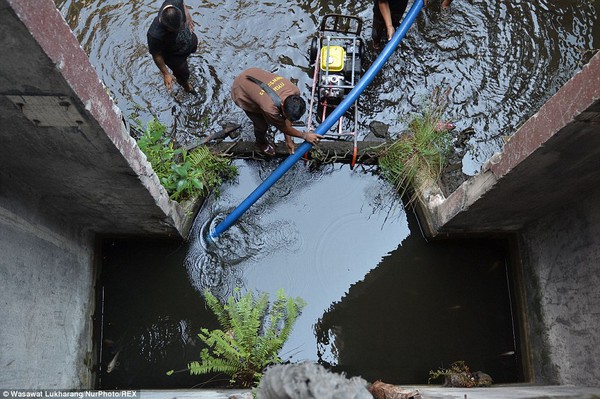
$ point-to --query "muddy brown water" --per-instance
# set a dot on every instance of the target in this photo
(383, 302)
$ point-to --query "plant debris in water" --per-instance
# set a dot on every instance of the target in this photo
(459, 375)
(421, 151)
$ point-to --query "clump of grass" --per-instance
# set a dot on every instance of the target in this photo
(423, 150)
(183, 174)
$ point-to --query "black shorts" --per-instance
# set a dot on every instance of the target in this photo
(178, 63)
(379, 32)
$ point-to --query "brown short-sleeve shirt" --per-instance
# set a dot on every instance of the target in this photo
(250, 97)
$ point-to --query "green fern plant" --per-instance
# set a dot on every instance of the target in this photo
(422, 151)
(199, 172)
(183, 174)
(251, 337)
(158, 147)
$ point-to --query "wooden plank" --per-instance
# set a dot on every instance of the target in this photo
(326, 151)
(220, 135)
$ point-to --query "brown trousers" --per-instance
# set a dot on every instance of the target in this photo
(260, 126)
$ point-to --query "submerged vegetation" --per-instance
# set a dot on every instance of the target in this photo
(460, 375)
(455, 368)
(183, 174)
(251, 337)
(420, 152)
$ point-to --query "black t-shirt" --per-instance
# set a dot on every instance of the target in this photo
(161, 41)
(396, 6)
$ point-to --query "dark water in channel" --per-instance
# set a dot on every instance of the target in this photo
(382, 302)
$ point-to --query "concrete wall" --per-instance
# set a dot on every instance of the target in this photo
(552, 158)
(46, 294)
(561, 265)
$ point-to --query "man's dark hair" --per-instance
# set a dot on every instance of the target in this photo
(294, 107)
(171, 17)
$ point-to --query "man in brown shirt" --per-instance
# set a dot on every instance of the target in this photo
(278, 104)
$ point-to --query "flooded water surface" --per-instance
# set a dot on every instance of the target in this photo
(501, 59)
(382, 302)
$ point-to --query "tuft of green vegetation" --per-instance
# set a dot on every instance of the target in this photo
(251, 337)
(422, 151)
(183, 174)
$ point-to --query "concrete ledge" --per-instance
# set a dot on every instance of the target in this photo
(550, 161)
(64, 136)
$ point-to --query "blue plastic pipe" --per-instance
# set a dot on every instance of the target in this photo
(336, 114)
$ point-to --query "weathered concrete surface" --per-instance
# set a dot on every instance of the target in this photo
(69, 173)
(550, 162)
(544, 189)
(46, 295)
(63, 136)
(561, 266)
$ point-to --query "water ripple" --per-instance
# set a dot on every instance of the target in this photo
(502, 59)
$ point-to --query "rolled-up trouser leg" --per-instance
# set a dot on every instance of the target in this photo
(260, 127)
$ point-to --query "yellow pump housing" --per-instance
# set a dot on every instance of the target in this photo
(334, 58)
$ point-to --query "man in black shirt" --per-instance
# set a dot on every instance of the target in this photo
(171, 39)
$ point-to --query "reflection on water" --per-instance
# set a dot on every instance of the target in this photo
(314, 235)
(424, 307)
(381, 301)
(150, 315)
(502, 59)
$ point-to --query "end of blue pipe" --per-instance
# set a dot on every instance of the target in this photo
(210, 238)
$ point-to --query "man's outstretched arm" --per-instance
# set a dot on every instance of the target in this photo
(162, 66)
